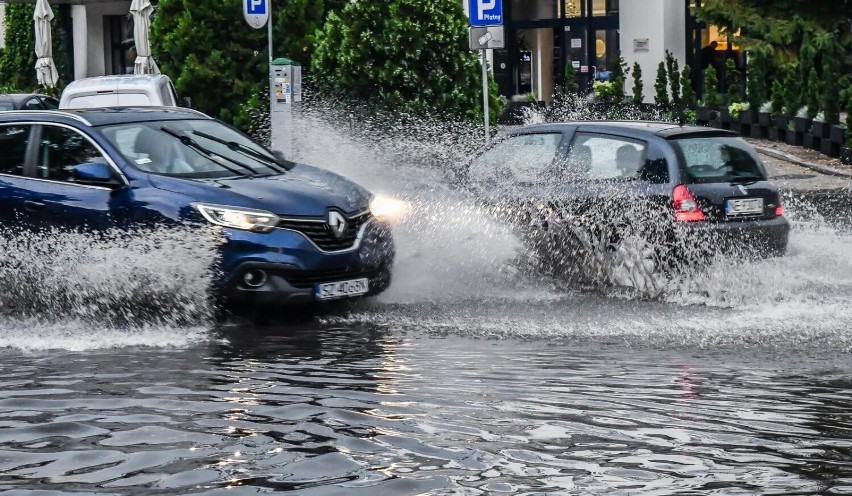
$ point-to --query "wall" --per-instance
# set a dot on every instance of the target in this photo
(663, 23)
(90, 51)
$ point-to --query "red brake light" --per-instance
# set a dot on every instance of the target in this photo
(685, 206)
(779, 210)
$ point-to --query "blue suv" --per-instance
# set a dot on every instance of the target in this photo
(293, 234)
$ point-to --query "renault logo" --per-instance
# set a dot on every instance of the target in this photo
(337, 223)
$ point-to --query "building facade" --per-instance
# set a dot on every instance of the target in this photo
(546, 38)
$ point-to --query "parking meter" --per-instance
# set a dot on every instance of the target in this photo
(286, 81)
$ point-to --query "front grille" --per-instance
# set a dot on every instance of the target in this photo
(307, 279)
(318, 231)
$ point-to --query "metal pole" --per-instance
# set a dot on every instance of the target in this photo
(269, 70)
(485, 96)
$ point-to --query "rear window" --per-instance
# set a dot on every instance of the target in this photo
(719, 159)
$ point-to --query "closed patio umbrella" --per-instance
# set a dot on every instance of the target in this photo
(45, 68)
(141, 11)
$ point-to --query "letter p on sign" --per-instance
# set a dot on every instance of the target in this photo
(483, 6)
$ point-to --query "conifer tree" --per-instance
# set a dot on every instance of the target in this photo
(688, 92)
(755, 82)
(673, 73)
(661, 99)
(638, 85)
(732, 82)
(814, 92)
(711, 87)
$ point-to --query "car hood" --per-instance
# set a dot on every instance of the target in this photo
(302, 191)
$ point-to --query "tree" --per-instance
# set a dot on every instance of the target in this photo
(618, 75)
(661, 99)
(711, 87)
(755, 82)
(813, 94)
(409, 56)
(688, 97)
(732, 82)
(777, 97)
(570, 87)
(214, 57)
(638, 85)
(674, 77)
(830, 92)
(792, 94)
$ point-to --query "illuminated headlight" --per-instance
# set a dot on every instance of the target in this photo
(387, 208)
(238, 218)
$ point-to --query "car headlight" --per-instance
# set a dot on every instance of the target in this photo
(387, 208)
(246, 219)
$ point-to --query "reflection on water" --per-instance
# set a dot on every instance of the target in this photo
(359, 410)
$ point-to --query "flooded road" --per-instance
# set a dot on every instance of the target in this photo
(471, 375)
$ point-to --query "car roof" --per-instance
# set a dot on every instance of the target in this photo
(662, 129)
(108, 116)
(122, 79)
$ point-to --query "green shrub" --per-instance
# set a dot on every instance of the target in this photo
(638, 85)
(732, 82)
(756, 82)
(673, 75)
(711, 87)
(688, 92)
(661, 99)
(814, 92)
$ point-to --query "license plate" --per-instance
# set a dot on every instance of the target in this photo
(744, 206)
(342, 289)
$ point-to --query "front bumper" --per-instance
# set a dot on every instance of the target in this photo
(292, 265)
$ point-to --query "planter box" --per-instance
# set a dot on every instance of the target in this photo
(819, 129)
(846, 155)
(736, 127)
(837, 134)
(828, 147)
(794, 138)
(759, 132)
(764, 119)
(748, 116)
(811, 142)
(778, 134)
(703, 114)
(803, 124)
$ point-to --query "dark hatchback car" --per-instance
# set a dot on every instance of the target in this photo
(292, 233)
(676, 193)
(27, 101)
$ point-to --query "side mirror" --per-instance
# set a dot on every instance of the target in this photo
(93, 173)
(186, 102)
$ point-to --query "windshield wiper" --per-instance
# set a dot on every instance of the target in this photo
(237, 147)
(193, 145)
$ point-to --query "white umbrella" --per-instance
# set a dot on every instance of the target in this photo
(45, 68)
(141, 11)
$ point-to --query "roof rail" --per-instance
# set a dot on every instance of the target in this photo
(59, 113)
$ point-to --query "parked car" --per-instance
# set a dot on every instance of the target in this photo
(27, 101)
(293, 233)
(128, 90)
(632, 197)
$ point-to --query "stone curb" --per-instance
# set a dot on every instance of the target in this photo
(790, 158)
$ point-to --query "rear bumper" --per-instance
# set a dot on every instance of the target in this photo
(767, 237)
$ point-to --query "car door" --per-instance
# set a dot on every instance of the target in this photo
(515, 166)
(15, 195)
(58, 199)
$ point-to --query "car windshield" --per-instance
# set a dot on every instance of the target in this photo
(194, 148)
(719, 159)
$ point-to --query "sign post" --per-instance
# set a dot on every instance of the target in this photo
(486, 31)
(257, 13)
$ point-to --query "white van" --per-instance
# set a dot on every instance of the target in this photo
(149, 90)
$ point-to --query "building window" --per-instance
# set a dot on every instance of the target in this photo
(573, 8)
(604, 7)
(534, 10)
(119, 44)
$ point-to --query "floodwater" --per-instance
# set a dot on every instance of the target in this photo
(470, 376)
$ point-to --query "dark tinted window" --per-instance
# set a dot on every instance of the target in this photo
(719, 159)
(50, 103)
(656, 169)
(60, 150)
(595, 157)
(13, 149)
(32, 104)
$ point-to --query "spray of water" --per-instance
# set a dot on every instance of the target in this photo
(82, 289)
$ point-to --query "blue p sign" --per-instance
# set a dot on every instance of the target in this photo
(256, 7)
(486, 12)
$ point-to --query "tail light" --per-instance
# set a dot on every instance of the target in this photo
(779, 210)
(686, 207)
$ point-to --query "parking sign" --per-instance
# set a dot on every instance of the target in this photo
(256, 12)
(486, 12)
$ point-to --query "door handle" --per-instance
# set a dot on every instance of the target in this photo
(33, 206)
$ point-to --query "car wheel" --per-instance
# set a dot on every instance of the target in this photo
(633, 262)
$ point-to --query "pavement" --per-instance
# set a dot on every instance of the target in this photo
(796, 169)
